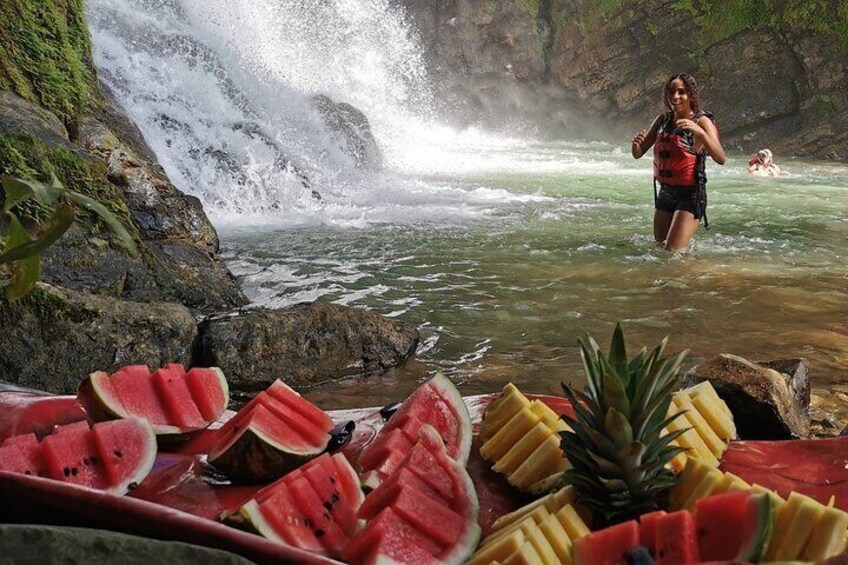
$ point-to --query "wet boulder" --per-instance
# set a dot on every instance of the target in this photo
(352, 125)
(763, 401)
(304, 344)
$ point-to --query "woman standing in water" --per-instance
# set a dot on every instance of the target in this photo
(682, 138)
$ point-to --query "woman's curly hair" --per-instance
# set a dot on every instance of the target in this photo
(691, 87)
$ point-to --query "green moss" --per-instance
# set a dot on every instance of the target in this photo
(45, 55)
(28, 158)
(48, 306)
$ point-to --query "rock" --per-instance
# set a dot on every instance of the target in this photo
(795, 372)
(55, 337)
(354, 128)
(761, 399)
(304, 345)
(25, 543)
(19, 117)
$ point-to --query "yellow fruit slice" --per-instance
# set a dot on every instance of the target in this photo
(798, 518)
(692, 475)
(501, 410)
(515, 429)
(526, 555)
(526, 525)
(558, 538)
(722, 424)
(498, 551)
(572, 523)
(708, 485)
(714, 443)
(522, 449)
(691, 440)
(828, 536)
(543, 547)
(705, 388)
(546, 460)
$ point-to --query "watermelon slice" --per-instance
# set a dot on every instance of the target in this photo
(274, 433)
(426, 511)
(676, 539)
(608, 546)
(111, 456)
(313, 507)
(734, 525)
(436, 402)
(175, 402)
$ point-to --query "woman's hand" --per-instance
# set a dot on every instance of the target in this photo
(689, 125)
(636, 144)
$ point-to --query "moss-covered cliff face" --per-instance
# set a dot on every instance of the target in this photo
(775, 71)
(45, 55)
(56, 120)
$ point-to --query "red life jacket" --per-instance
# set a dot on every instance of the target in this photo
(675, 160)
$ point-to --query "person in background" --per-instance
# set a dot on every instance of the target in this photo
(682, 137)
(763, 165)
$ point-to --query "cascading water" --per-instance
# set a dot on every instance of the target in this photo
(222, 90)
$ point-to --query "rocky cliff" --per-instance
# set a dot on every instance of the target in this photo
(775, 72)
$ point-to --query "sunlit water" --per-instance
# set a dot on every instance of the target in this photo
(501, 249)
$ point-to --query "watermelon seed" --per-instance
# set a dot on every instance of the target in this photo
(307, 522)
(132, 485)
(319, 533)
(66, 471)
(332, 480)
(75, 471)
(118, 453)
(27, 472)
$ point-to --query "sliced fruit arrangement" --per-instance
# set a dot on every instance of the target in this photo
(521, 439)
(274, 433)
(804, 528)
(438, 403)
(425, 511)
(543, 531)
(707, 425)
(313, 508)
(175, 402)
(111, 456)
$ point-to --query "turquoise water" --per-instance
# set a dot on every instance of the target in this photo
(514, 250)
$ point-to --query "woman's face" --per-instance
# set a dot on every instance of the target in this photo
(678, 97)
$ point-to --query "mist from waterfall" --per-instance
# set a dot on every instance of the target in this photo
(222, 89)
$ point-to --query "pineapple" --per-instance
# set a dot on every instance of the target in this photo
(618, 448)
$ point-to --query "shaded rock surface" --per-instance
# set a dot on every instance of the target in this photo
(304, 345)
(762, 400)
(22, 543)
(55, 337)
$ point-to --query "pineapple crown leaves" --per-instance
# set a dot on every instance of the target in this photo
(617, 444)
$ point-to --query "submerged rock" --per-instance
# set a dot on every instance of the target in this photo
(764, 402)
(305, 344)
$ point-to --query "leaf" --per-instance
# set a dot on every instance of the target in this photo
(108, 217)
(25, 189)
(26, 271)
(618, 429)
(58, 225)
(618, 355)
(614, 393)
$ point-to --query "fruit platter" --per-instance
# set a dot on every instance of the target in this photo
(630, 470)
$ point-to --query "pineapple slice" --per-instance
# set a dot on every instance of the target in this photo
(522, 449)
(526, 555)
(572, 523)
(828, 537)
(552, 502)
(710, 484)
(498, 551)
(525, 524)
(722, 424)
(794, 525)
(714, 443)
(705, 389)
(558, 538)
(691, 440)
(543, 547)
(506, 437)
(546, 457)
(501, 410)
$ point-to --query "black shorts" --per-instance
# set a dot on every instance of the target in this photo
(673, 198)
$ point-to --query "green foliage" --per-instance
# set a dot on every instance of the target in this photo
(23, 250)
(45, 54)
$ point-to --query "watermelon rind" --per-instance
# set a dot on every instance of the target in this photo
(454, 398)
(253, 456)
(148, 449)
(754, 548)
(101, 404)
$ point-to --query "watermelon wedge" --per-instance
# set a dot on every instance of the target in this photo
(175, 402)
(111, 456)
(274, 433)
(734, 525)
(425, 511)
(436, 403)
(313, 507)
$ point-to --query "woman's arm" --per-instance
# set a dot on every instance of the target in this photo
(706, 137)
(643, 140)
